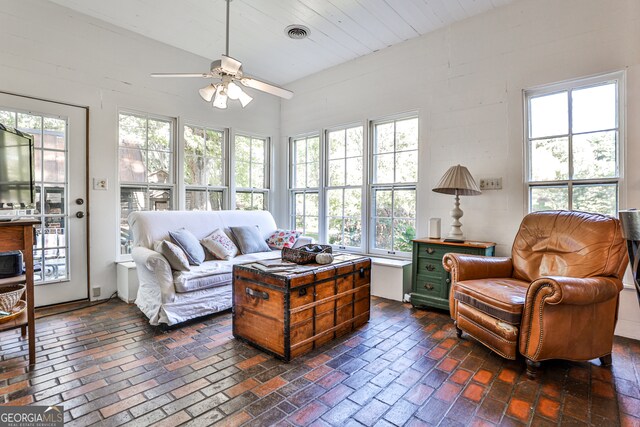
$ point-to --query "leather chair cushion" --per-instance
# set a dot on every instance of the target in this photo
(502, 298)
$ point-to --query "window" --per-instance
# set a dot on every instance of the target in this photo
(305, 181)
(573, 148)
(204, 168)
(394, 160)
(344, 187)
(146, 168)
(251, 172)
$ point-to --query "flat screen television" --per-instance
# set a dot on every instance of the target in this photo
(17, 174)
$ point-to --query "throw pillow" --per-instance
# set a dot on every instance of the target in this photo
(172, 252)
(283, 239)
(189, 244)
(249, 239)
(220, 245)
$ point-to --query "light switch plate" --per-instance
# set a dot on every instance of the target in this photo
(491, 183)
(100, 184)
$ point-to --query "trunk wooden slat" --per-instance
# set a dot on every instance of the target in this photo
(288, 314)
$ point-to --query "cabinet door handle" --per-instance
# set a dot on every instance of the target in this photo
(430, 250)
(428, 286)
(430, 267)
(448, 281)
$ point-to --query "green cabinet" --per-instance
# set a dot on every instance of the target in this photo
(430, 281)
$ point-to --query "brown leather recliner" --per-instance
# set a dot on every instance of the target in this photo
(555, 298)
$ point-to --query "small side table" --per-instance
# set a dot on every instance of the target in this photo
(430, 281)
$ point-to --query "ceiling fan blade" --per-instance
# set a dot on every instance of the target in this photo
(203, 75)
(266, 87)
(230, 65)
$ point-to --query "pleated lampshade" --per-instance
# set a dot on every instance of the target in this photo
(457, 178)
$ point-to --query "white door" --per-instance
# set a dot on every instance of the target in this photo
(60, 254)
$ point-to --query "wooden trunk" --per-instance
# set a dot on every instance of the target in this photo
(289, 314)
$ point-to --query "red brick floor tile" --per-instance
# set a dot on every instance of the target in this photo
(307, 414)
(79, 374)
(579, 373)
(14, 387)
(448, 343)
(448, 364)
(139, 362)
(483, 376)
(548, 408)
(234, 420)
(190, 388)
(629, 421)
(270, 386)
(255, 360)
(77, 391)
(474, 392)
(330, 380)
(122, 405)
(320, 359)
(508, 376)
(211, 360)
(12, 373)
(139, 388)
(460, 376)
(117, 362)
(419, 394)
(318, 372)
(439, 335)
(630, 406)
(437, 353)
(479, 422)
(602, 389)
(21, 401)
(173, 420)
(336, 395)
(448, 391)
(519, 409)
(180, 363)
(551, 389)
(241, 387)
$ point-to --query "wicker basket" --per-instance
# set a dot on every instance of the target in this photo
(9, 296)
(303, 257)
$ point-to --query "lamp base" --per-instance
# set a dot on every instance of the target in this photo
(454, 240)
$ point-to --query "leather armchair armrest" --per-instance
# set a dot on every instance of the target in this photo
(470, 267)
(574, 290)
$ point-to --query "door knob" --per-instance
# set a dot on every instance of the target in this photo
(80, 214)
(79, 201)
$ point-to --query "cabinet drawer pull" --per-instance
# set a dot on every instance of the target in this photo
(448, 281)
(428, 286)
(430, 267)
(430, 250)
(257, 294)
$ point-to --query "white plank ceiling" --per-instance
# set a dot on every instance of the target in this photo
(341, 30)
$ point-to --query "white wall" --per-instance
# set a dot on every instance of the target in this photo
(51, 52)
(466, 82)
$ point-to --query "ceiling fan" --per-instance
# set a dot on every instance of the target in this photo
(229, 71)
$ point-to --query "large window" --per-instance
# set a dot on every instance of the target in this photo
(305, 182)
(251, 172)
(394, 159)
(204, 168)
(344, 193)
(146, 167)
(573, 146)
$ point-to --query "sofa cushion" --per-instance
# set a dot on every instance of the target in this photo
(250, 239)
(210, 274)
(220, 245)
(283, 239)
(501, 298)
(189, 244)
(174, 255)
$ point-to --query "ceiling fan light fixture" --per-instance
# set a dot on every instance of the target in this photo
(207, 92)
(220, 100)
(233, 90)
(244, 99)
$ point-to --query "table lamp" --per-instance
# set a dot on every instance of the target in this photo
(457, 180)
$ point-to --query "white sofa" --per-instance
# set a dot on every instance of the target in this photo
(170, 297)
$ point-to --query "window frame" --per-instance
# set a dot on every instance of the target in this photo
(268, 158)
(394, 186)
(569, 86)
(293, 191)
(326, 187)
(224, 188)
(146, 185)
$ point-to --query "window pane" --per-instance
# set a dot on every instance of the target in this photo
(243, 201)
(31, 124)
(54, 166)
(353, 202)
(334, 200)
(8, 118)
(549, 198)
(311, 204)
(384, 138)
(594, 155)
(403, 233)
(404, 203)
(313, 175)
(54, 202)
(355, 142)
(299, 204)
(336, 144)
(300, 151)
(335, 231)
(54, 133)
(133, 131)
(383, 203)
(131, 199)
(407, 167)
(193, 169)
(259, 201)
(257, 175)
(193, 141)
(311, 227)
(216, 200)
(596, 198)
(214, 143)
(594, 108)
(243, 174)
(354, 171)
(383, 173)
(159, 199)
(313, 150)
(300, 223)
(132, 165)
(196, 200)
(336, 172)
(158, 164)
(352, 232)
(549, 115)
(159, 135)
(384, 233)
(549, 159)
(407, 135)
(243, 149)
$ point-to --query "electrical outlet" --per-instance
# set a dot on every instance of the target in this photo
(96, 291)
(100, 184)
(491, 183)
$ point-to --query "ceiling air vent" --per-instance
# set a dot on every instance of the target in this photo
(297, 32)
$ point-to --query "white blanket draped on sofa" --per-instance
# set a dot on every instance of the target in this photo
(171, 297)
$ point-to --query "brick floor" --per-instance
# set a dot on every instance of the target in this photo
(107, 366)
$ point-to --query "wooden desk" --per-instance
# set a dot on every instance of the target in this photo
(18, 236)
